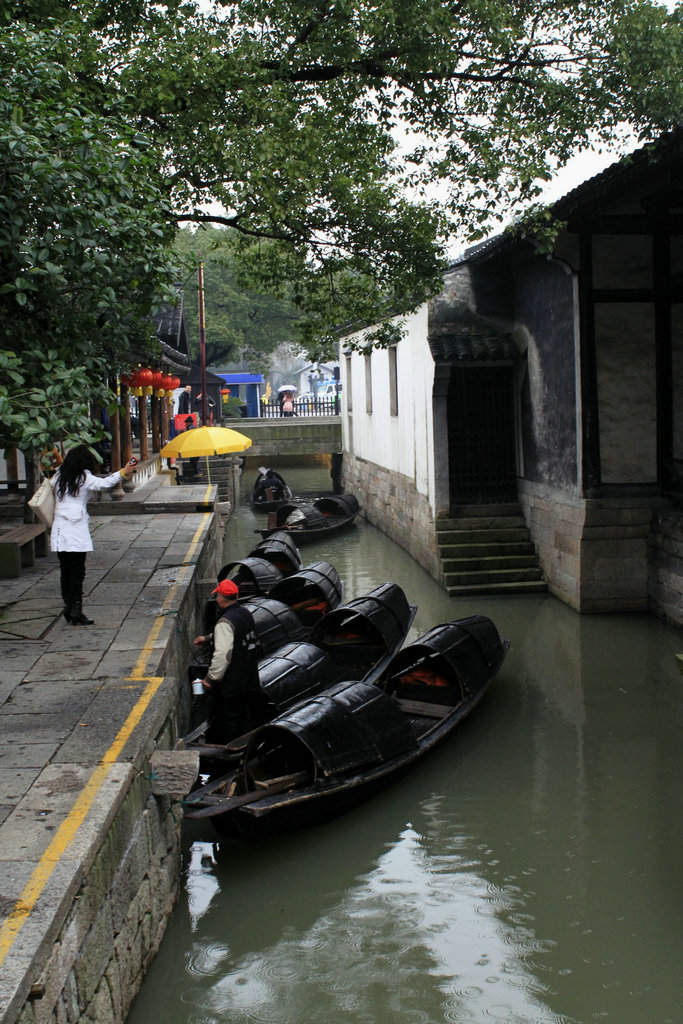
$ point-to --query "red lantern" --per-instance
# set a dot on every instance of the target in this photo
(176, 382)
(225, 391)
(146, 377)
(157, 378)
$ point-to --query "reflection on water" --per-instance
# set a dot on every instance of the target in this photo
(527, 871)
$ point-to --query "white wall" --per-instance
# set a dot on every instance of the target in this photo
(403, 443)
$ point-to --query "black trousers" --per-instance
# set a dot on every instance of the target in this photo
(72, 566)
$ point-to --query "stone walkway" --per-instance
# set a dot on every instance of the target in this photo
(80, 706)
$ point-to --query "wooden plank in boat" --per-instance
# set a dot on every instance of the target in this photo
(212, 805)
(420, 707)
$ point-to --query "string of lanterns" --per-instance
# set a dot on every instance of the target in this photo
(143, 381)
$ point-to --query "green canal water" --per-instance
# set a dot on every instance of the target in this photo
(529, 870)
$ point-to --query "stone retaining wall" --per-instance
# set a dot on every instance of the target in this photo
(392, 503)
(109, 927)
(117, 919)
(665, 578)
(609, 554)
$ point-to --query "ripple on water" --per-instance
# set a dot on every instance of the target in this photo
(203, 961)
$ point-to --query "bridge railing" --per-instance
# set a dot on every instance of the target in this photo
(304, 406)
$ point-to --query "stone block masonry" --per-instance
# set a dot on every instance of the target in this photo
(89, 854)
(391, 502)
(665, 577)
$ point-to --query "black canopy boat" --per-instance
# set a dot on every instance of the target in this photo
(271, 560)
(253, 575)
(336, 749)
(359, 638)
(312, 592)
(280, 549)
(308, 522)
(270, 490)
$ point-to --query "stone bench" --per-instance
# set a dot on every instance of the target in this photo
(19, 547)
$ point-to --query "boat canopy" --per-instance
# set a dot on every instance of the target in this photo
(351, 725)
(280, 549)
(295, 672)
(448, 664)
(299, 517)
(252, 575)
(376, 622)
(338, 505)
(275, 623)
(311, 592)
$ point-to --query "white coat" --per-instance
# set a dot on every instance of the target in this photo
(70, 525)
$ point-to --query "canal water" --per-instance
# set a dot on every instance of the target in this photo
(529, 870)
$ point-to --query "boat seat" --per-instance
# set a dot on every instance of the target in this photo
(423, 709)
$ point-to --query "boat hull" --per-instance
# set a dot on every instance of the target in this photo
(327, 755)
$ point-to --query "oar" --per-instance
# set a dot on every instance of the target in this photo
(232, 802)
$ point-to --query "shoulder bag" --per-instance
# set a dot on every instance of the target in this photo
(43, 502)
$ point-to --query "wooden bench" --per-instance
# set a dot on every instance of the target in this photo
(19, 547)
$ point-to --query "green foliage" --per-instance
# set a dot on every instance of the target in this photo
(240, 323)
(317, 133)
(232, 406)
(289, 117)
(84, 244)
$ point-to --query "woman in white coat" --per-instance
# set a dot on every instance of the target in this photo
(73, 484)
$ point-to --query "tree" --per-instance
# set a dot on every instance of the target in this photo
(240, 324)
(282, 122)
(288, 116)
(84, 243)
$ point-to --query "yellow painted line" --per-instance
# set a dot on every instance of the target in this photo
(69, 827)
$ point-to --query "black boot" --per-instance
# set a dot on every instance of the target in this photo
(66, 612)
(77, 616)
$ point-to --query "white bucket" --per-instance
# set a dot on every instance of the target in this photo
(197, 687)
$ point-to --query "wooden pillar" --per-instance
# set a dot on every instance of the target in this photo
(115, 430)
(164, 419)
(12, 470)
(126, 435)
(156, 425)
(142, 419)
(661, 260)
(590, 410)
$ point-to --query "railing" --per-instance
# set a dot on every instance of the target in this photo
(303, 406)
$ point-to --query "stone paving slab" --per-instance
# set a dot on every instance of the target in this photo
(65, 693)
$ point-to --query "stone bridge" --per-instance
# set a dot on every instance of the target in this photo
(297, 435)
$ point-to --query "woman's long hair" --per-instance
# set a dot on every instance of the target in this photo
(72, 470)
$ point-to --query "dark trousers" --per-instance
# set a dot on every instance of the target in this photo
(72, 566)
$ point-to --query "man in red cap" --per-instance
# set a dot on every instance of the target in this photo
(232, 679)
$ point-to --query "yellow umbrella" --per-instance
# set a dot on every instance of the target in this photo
(206, 441)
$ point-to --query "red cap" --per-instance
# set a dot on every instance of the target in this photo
(227, 588)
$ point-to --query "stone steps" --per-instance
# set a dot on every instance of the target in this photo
(488, 550)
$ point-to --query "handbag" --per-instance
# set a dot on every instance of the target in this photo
(43, 502)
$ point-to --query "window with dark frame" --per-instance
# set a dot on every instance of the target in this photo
(393, 382)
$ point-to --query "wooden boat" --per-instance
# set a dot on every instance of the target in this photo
(360, 637)
(280, 549)
(340, 747)
(309, 522)
(253, 575)
(269, 492)
(312, 592)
